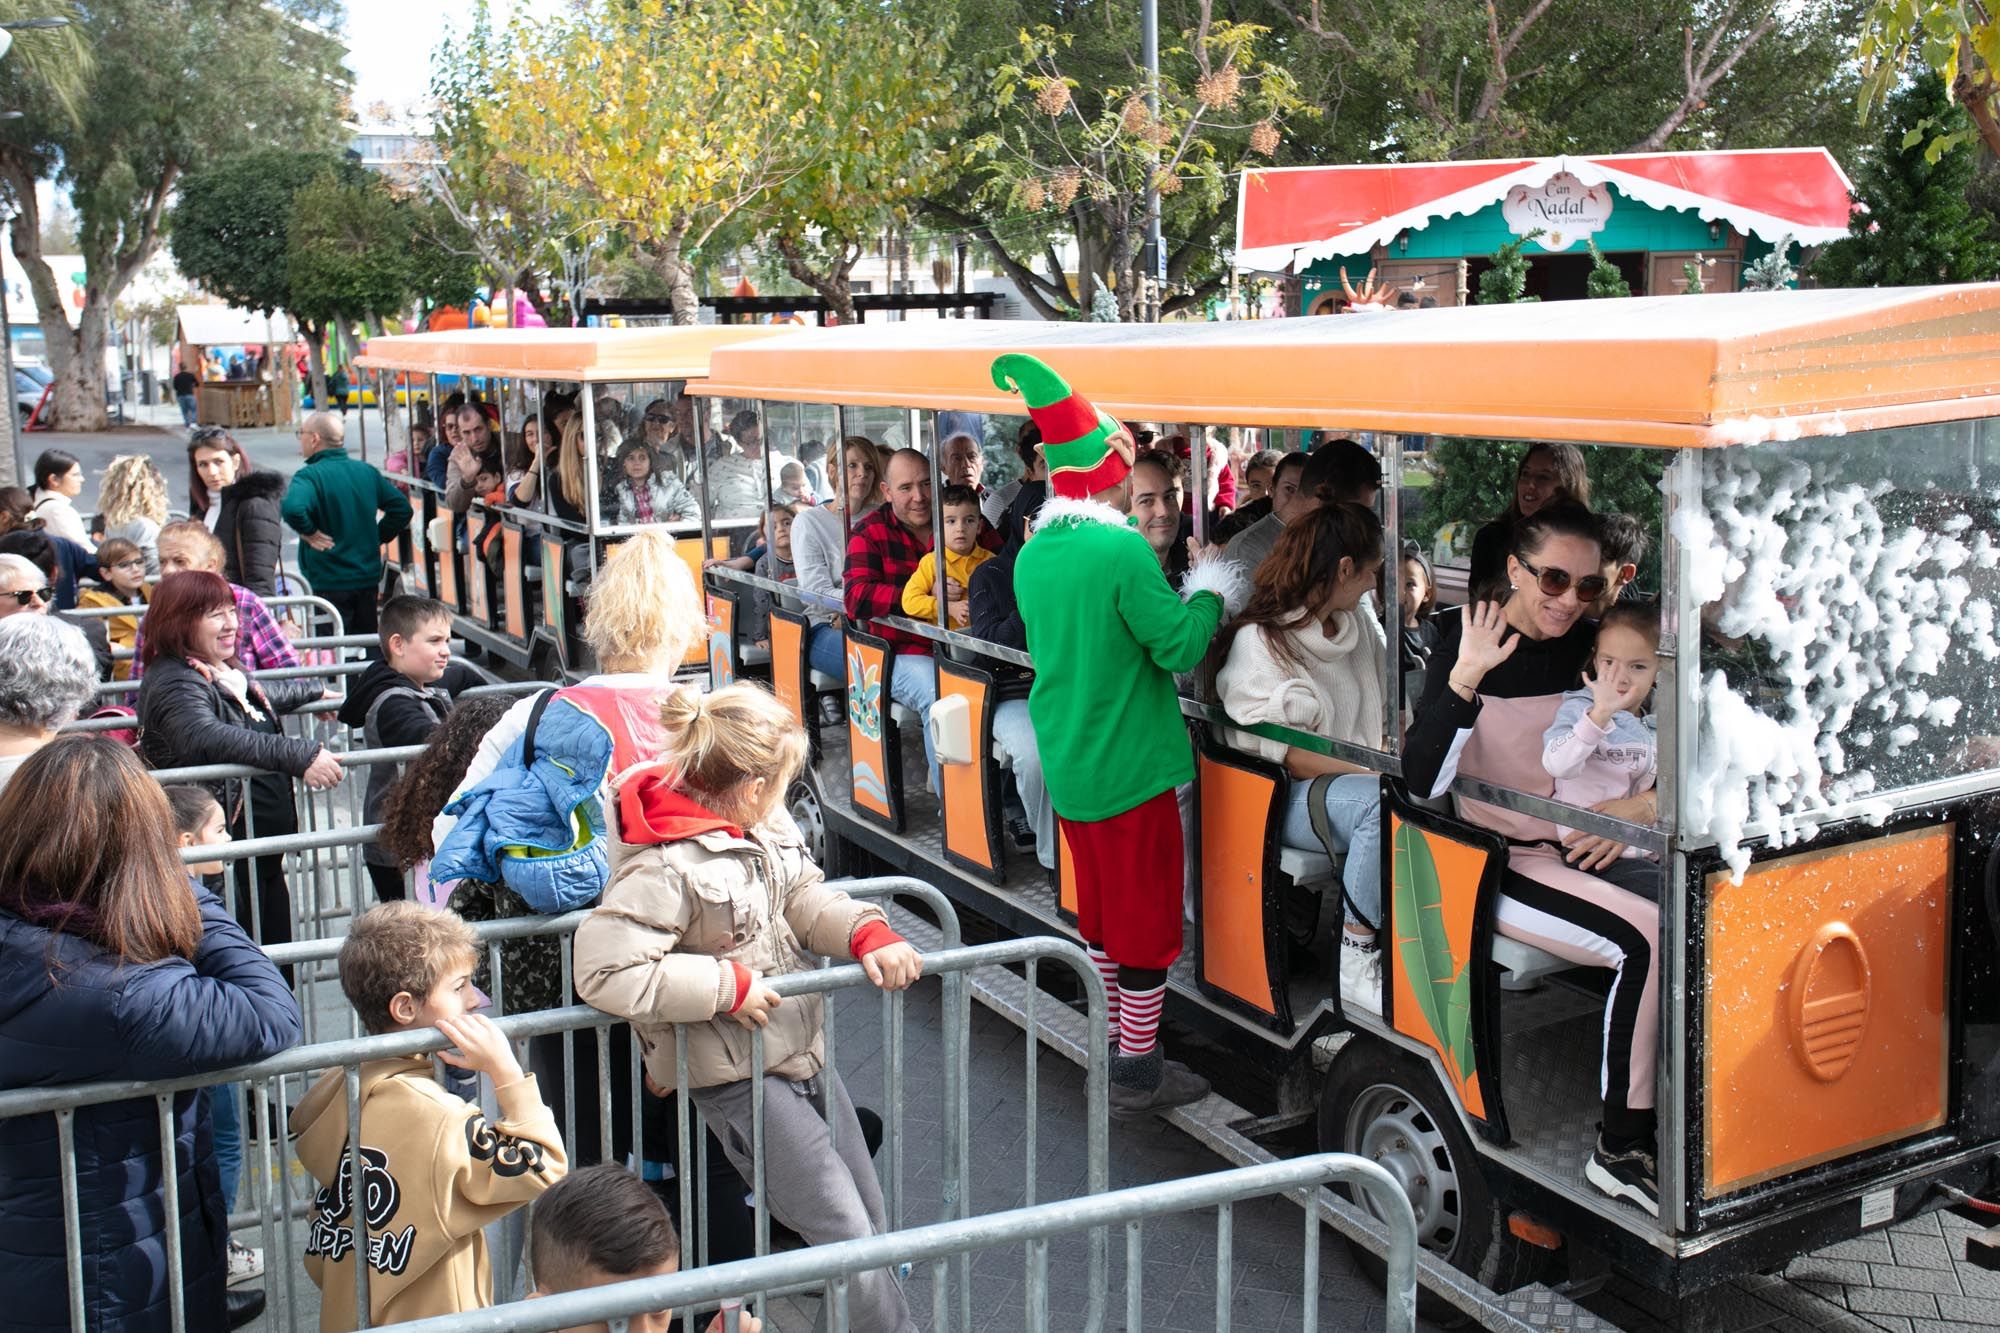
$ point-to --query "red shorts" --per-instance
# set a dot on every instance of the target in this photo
(1128, 882)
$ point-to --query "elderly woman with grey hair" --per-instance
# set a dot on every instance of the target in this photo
(47, 674)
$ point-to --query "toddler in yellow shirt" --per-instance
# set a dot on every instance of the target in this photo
(960, 520)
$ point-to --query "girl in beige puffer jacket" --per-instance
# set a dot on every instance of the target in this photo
(713, 891)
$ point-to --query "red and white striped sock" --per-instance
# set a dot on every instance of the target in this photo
(1139, 1019)
(1109, 971)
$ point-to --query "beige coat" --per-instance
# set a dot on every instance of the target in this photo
(654, 951)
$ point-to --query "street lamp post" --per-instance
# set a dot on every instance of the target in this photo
(1149, 52)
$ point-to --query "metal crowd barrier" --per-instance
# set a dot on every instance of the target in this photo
(828, 1268)
(277, 1210)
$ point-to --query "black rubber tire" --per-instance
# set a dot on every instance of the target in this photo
(1368, 1073)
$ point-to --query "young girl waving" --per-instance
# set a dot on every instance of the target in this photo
(713, 892)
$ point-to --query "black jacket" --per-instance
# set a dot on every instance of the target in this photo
(185, 720)
(71, 1013)
(408, 715)
(996, 617)
(1021, 511)
(251, 532)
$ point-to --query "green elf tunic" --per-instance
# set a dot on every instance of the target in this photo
(1108, 633)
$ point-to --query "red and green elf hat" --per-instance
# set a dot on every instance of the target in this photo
(1086, 449)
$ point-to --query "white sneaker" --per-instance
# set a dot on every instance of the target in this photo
(1360, 977)
(244, 1262)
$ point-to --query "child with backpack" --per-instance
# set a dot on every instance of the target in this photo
(713, 892)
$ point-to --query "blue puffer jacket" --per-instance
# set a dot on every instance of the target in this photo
(537, 828)
(72, 1013)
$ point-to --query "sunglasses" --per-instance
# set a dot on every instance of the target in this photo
(652, 420)
(1556, 582)
(26, 595)
(130, 564)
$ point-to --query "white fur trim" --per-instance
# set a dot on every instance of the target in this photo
(1223, 577)
(1060, 508)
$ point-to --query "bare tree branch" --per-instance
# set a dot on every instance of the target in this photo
(1313, 21)
(1034, 290)
(1701, 74)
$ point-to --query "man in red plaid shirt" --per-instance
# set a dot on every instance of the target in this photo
(882, 552)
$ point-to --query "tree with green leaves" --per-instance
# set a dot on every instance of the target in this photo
(172, 85)
(233, 233)
(886, 105)
(1606, 279)
(1466, 80)
(1076, 152)
(1920, 226)
(346, 260)
(1956, 41)
(663, 120)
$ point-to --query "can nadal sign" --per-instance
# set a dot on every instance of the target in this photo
(1564, 208)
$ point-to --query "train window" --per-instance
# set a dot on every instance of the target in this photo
(1849, 591)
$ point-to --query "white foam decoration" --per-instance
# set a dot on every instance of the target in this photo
(1868, 624)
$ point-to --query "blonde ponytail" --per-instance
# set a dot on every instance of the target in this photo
(720, 740)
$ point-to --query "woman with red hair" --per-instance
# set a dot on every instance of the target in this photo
(198, 706)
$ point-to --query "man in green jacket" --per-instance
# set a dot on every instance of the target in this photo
(1107, 633)
(343, 510)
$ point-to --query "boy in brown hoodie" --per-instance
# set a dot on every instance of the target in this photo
(434, 1172)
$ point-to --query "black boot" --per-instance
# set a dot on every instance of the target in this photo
(242, 1304)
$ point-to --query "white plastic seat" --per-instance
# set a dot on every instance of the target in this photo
(1000, 755)
(903, 716)
(755, 656)
(822, 681)
(1306, 867)
(1526, 965)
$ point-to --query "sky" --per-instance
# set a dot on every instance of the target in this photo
(390, 42)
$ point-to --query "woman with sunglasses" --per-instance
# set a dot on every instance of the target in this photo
(1493, 688)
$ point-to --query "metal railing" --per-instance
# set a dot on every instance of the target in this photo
(277, 1210)
(828, 1268)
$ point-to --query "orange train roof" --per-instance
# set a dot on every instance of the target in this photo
(598, 355)
(1671, 370)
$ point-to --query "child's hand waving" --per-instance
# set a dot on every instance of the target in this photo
(893, 966)
(1608, 698)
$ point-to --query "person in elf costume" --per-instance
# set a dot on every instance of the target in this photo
(1108, 632)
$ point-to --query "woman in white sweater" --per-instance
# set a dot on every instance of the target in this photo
(1308, 655)
(819, 547)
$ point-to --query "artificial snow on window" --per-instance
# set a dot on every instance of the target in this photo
(1847, 629)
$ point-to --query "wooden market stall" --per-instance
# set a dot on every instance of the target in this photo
(267, 399)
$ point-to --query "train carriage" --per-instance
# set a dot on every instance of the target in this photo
(516, 574)
(1828, 734)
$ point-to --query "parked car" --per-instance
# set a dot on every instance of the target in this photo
(29, 381)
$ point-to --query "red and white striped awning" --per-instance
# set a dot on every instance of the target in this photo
(1287, 217)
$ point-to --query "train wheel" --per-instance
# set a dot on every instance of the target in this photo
(1384, 1104)
(829, 852)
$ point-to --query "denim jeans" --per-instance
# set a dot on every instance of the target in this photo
(1016, 735)
(186, 401)
(225, 1119)
(913, 684)
(1354, 812)
(826, 651)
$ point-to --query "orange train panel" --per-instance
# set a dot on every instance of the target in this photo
(868, 729)
(721, 626)
(1235, 812)
(516, 609)
(1434, 900)
(1826, 1005)
(965, 784)
(554, 572)
(1065, 873)
(478, 587)
(788, 651)
(448, 574)
(689, 549)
